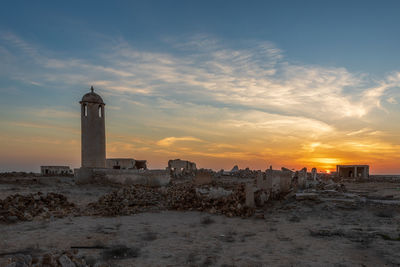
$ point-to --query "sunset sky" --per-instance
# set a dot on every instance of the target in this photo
(253, 83)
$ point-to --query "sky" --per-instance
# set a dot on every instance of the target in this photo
(221, 83)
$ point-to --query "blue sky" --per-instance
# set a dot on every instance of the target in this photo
(358, 35)
(204, 76)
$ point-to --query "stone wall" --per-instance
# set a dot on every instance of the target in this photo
(143, 177)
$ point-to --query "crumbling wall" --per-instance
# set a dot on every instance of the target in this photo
(281, 180)
(178, 168)
(126, 163)
(301, 178)
(120, 163)
(314, 174)
(264, 182)
(141, 164)
(128, 177)
(55, 170)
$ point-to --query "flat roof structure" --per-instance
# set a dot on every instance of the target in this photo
(352, 171)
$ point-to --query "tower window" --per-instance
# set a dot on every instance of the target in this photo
(100, 112)
(85, 110)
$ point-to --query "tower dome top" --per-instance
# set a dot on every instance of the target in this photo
(92, 97)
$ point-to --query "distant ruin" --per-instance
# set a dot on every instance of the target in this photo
(126, 163)
(55, 170)
(178, 167)
(352, 171)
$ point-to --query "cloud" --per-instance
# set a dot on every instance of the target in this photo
(44, 126)
(168, 141)
(55, 112)
(256, 77)
(216, 99)
(392, 100)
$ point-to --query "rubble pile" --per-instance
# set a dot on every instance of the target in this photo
(64, 259)
(125, 201)
(26, 207)
(18, 174)
(246, 173)
(330, 185)
(184, 196)
(180, 196)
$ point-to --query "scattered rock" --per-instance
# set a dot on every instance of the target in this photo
(180, 196)
(65, 261)
(126, 201)
(26, 207)
(120, 252)
(184, 197)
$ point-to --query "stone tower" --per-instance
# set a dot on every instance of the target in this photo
(93, 131)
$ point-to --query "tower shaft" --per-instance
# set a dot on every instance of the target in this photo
(93, 133)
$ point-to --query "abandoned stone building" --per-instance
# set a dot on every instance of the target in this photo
(126, 163)
(178, 167)
(55, 170)
(352, 171)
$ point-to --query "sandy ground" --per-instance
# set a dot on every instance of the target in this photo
(330, 232)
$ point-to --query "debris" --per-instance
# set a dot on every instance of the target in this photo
(213, 192)
(179, 196)
(26, 207)
(184, 197)
(65, 261)
(126, 201)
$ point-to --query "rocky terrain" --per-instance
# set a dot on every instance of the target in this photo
(50, 221)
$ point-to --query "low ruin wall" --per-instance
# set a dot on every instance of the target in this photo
(128, 177)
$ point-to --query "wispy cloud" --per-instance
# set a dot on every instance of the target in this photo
(205, 97)
(168, 141)
(257, 77)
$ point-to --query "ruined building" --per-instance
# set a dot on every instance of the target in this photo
(178, 167)
(126, 163)
(55, 170)
(352, 171)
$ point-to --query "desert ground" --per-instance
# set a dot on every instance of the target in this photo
(358, 225)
